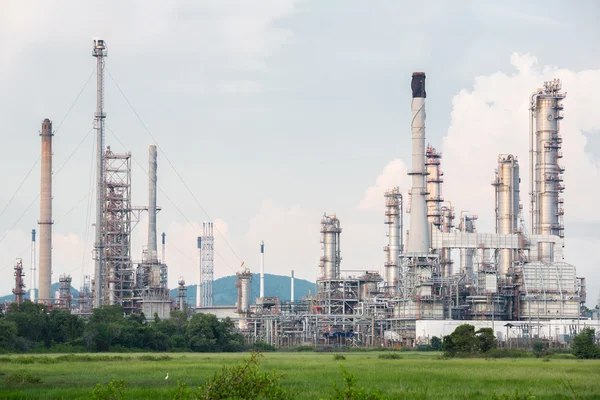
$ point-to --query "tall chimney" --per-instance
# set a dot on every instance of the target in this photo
(262, 269)
(199, 280)
(152, 248)
(32, 289)
(418, 240)
(45, 221)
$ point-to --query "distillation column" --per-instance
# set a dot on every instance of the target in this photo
(507, 206)
(45, 275)
(467, 224)
(199, 274)
(434, 187)
(152, 252)
(547, 205)
(418, 239)
(393, 219)
(32, 289)
(262, 269)
(447, 224)
(330, 237)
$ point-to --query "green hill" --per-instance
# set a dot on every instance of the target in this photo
(225, 292)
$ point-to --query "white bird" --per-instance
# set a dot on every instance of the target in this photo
(167, 377)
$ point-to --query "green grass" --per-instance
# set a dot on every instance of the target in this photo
(308, 375)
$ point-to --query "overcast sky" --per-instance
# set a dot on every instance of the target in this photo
(274, 112)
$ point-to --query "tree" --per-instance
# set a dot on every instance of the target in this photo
(8, 333)
(584, 345)
(436, 343)
(486, 340)
(33, 323)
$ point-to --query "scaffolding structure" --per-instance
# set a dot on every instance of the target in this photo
(117, 268)
(207, 264)
(65, 297)
(19, 290)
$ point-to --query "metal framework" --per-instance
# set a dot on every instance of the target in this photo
(65, 297)
(117, 273)
(207, 265)
(19, 290)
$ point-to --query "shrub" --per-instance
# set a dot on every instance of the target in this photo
(514, 396)
(538, 348)
(305, 348)
(148, 357)
(113, 390)
(390, 356)
(338, 357)
(583, 345)
(21, 377)
(262, 347)
(244, 381)
(351, 392)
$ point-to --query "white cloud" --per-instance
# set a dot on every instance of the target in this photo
(492, 118)
(394, 174)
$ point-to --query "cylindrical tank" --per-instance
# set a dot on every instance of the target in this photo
(152, 166)
(393, 214)
(244, 291)
(46, 222)
(330, 231)
(507, 205)
(467, 224)
(548, 180)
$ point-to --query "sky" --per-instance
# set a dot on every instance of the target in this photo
(268, 114)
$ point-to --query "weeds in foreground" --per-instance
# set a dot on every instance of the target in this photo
(21, 377)
(113, 390)
(515, 396)
(351, 392)
(572, 392)
(339, 357)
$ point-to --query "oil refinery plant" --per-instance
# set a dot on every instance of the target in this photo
(438, 271)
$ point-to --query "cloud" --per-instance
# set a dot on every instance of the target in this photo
(394, 174)
(492, 118)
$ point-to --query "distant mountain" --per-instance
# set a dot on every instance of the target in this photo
(224, 290)
(53, 289)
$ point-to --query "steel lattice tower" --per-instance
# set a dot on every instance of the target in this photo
(207, 266)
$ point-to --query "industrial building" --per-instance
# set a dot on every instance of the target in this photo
(514, 277)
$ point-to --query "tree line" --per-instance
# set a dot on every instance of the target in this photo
(30, 327)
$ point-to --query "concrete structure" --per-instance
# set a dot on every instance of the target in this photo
(45, 222)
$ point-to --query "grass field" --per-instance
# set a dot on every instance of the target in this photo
(310, 375)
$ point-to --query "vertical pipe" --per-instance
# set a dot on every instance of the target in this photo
(418, 241)
(199, 280)
(292, 288)
(99, 52)
(164, 248)
(262, 269)
(152, 167)
(32, 291)
(45, 275)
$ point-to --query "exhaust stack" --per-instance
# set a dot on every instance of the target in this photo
(45, 222)
(418, 240)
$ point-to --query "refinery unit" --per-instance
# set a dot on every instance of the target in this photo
(513, 274)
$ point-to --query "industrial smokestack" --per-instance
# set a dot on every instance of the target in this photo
(152, 165)
(199, 280)
(292, 288)
(262, 269)
(418, 241)
(164, 248)
(46, 213)
(32, 289)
